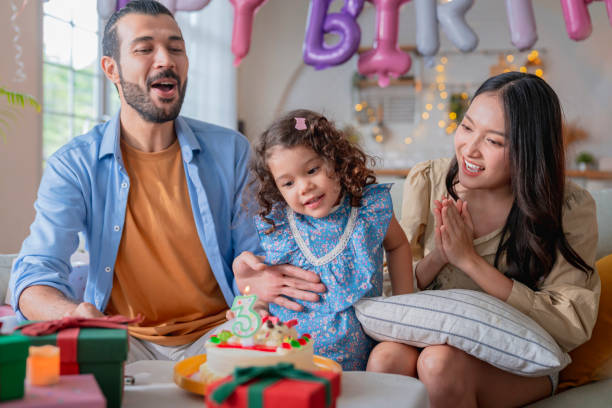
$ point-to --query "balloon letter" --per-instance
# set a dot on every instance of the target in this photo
(451, 16)
(522, 23)
(244, 14)
(427, 38)
(106, 8)
(343, 24)
(385, 59)
(577, 18)
(189, 5)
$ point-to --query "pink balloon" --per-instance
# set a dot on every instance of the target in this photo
(385, 59)
(244, 14)
(578, 19)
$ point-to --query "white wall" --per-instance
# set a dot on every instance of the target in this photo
(580, 72)
(20, 156)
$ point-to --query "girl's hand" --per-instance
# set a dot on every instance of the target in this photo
(457, 233)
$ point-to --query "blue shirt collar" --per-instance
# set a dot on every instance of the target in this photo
(110, 138)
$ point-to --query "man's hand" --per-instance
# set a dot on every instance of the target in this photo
(273, 284)
(39, 302)
(85, 309)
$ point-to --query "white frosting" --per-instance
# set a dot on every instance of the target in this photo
(221, 362)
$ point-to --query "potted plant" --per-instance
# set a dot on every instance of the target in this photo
(584, 160)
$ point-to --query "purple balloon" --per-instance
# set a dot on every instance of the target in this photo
(121, 4)
(321, 55)
(522, 23)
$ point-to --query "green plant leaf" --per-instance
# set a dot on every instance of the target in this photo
(17, 98)
(14, 99)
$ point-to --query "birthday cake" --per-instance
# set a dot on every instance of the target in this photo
(274, 342)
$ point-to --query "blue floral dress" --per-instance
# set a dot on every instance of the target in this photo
(345, 250)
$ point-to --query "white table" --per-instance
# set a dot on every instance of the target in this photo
(154, 387)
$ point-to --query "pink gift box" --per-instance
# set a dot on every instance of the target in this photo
(71, 391)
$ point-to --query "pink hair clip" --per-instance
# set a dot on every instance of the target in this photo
(300, 123)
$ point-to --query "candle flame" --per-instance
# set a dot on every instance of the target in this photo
(247, 290)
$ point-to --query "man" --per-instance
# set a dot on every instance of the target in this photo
(159, 200)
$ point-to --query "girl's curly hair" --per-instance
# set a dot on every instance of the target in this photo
(347, 159)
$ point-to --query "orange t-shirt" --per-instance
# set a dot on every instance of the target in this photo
(162, 271)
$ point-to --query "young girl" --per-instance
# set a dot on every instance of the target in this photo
(320, 210)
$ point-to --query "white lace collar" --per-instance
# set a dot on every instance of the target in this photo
(340, 246)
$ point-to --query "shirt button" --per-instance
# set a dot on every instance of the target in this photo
(124, 185)
(107, 269)
(116, 228)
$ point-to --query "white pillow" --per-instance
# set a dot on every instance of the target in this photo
(475, 322)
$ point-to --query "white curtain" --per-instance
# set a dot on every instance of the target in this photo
(211, 90)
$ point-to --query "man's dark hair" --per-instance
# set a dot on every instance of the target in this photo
(110, 42)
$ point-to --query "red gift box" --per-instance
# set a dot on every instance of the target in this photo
(284, 392)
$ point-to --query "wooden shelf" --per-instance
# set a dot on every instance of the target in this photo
(367, 83)
(405, 48)
(587, 174)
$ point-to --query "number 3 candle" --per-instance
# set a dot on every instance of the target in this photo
(247, 321)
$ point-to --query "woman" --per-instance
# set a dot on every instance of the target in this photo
(500, 218)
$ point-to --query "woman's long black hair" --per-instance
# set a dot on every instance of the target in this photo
(533, 231)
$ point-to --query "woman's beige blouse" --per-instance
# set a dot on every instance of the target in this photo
(567, 300)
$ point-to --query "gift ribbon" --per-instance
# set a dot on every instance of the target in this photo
(67, 338)
(267, 376)
(53, 326)
(67, 341)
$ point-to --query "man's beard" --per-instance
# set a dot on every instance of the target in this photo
(142, 103)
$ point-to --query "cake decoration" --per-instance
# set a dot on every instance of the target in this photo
(274, 342)
(246, 321)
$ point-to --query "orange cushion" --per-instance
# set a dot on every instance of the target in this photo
(593, 360)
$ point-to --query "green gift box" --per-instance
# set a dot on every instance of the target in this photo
(99, 351)
(13, 354)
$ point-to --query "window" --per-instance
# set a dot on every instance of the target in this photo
(76, 95)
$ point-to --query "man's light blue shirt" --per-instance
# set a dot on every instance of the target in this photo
(85, 189)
